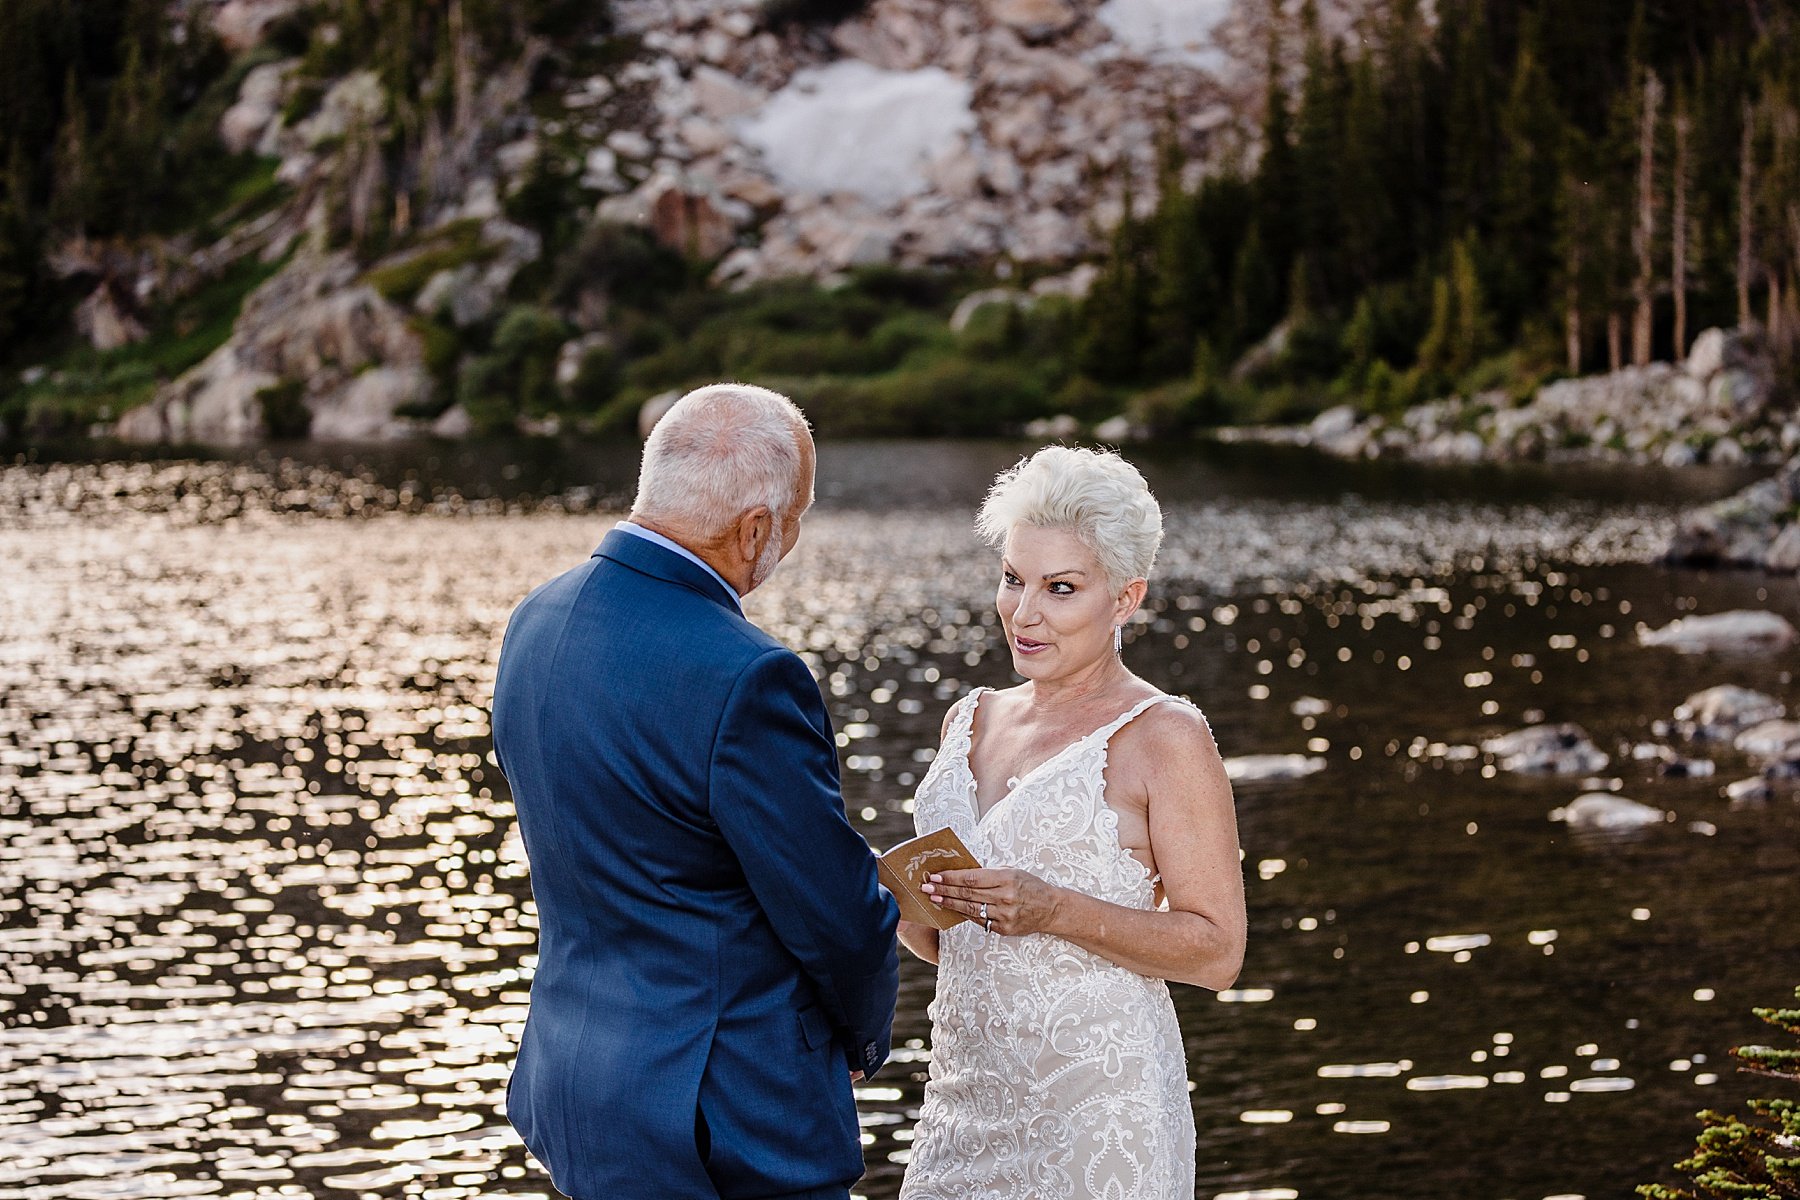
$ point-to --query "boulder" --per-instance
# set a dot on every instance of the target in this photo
(358, 100)
(1707, 354)
(1053, 429)
(1120, 429)
(1334, 422)
(600, 170)
(1784, 552)
(239, 24)
(105, 322)
(248, 122)
(1555, 749)
(363, 409)
(1741, 630)
(1600, 810)
(314, 321)
(1034, 20)
(1719, 712)
(655, 409)
(721, 96)
(1737, 393)
(453, 422)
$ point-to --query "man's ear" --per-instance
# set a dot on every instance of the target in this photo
(754, 528)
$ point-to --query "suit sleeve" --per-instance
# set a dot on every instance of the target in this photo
(774, 794)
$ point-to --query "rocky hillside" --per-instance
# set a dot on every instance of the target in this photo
(287, 217)
(917, 132)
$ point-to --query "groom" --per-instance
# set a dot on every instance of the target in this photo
(716, 960)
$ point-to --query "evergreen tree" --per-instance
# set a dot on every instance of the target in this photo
(1461, 330)
(1255, 292)
(1317, 142)
(72, 197)
(1748, 1157)
(1531, 133)
(1371, 246)
(1185, 285)
(1469, 123)
(1115, 315)
(1278, 175)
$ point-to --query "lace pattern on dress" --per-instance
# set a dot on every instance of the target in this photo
(1054, 1072)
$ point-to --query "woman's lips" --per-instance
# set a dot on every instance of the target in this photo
(1025, 645)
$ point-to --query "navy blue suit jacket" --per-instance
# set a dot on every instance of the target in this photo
(715, 954)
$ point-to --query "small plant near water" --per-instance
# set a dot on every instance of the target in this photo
(1754, 1156)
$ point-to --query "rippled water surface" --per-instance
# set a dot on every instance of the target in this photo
(265, 926)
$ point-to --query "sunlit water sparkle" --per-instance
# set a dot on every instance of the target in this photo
(265, 926)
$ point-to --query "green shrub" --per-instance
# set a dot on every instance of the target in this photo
(517, 377)
(284, 410)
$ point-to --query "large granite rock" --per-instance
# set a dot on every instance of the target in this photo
(354, 354)
(1756, 527)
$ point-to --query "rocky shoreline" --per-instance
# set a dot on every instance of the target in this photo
(1720, 407)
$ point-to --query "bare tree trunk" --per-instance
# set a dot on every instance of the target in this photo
(462, 47)
(1615, 340)
(1774, 321)
(1643, 234)
(1572, 309)
(1746, 202)
(1678, 234)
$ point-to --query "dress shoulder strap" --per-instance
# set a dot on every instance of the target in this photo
(1105, 732)
(963, 711)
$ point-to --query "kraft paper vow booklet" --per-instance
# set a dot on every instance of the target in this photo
(912, 863)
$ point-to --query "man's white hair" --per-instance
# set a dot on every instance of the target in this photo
(1094, 494)
(720, 450)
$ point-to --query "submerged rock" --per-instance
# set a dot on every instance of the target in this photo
(1754, 790)
(1599, 810)
(1719, 712)
(1771, 739)
(1269, 768)
(1737, 630)
(1553, 749)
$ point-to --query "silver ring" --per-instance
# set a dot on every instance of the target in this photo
(987, 922)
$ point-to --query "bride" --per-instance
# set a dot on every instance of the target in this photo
(1101, 813)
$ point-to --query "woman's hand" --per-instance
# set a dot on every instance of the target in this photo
(1017, 902)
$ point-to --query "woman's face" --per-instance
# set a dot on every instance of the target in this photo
(1054, 603)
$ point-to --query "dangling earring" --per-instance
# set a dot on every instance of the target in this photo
(1119, 639)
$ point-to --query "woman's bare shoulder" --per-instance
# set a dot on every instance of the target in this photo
(1170, 735)
(989, 699)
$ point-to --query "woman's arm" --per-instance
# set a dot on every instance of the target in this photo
(1193, 835)
(922, 940)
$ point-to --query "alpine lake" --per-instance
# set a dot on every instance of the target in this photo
(265, 920)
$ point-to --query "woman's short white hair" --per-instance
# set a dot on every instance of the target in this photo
(718, 451)
(1094, 494)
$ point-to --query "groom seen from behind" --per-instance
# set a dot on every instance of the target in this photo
(716, 960)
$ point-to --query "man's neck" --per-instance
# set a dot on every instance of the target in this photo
(711, 553)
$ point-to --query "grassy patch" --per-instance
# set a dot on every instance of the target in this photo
(84, 385)
(402, 277)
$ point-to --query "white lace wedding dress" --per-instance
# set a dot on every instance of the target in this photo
(1054, 1072)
